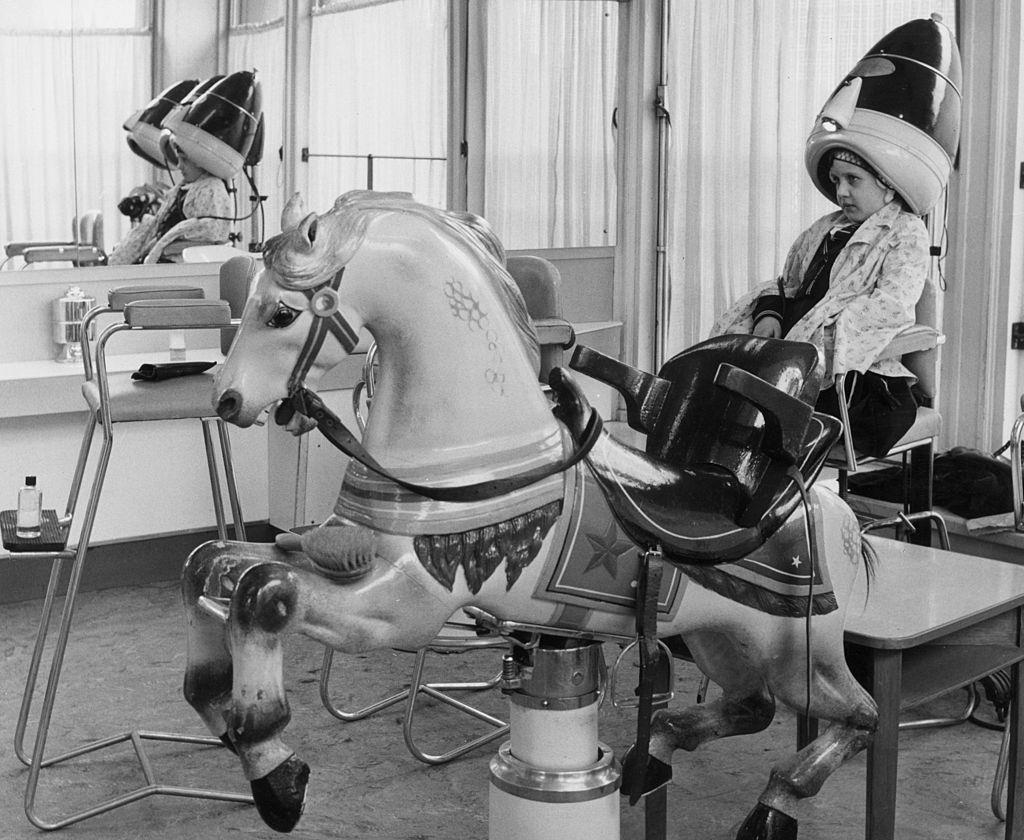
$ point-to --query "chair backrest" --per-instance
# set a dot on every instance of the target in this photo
(538, 280)
(925, 363)
(236, 276)
(88, 229)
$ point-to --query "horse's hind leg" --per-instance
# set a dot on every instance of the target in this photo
(835, 696)
(802, 776)
(744, 707)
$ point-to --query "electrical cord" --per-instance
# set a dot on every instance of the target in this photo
(810, 534)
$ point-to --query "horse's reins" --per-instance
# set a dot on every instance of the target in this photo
(323, 303)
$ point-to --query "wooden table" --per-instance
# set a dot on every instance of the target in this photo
(933, 621)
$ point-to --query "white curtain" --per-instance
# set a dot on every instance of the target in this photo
(261, 48)
(378, 88)
(550, 92)
(64, 147)
(746, 81)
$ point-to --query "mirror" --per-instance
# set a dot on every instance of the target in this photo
(80, 69)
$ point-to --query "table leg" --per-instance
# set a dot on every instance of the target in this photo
(1015, 772)
(880, 806)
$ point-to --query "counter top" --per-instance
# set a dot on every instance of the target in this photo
(33, 388)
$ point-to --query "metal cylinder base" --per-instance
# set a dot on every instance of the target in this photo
(531, 804)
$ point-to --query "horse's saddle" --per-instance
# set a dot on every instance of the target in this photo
(728, 423)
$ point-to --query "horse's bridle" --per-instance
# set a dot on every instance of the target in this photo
(323, 303)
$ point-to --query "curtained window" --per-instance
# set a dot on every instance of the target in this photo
(256, 41)
(82, 68)
(746, 81)
(550, 76)
(378, 99)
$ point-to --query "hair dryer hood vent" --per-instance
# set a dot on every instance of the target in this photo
(899, 109)
(217, 130)
(144, 126)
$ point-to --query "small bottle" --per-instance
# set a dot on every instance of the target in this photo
(30, 510)
(177, 345)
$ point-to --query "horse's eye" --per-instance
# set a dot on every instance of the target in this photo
(284, 316)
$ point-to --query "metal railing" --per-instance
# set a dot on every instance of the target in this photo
(370, 160)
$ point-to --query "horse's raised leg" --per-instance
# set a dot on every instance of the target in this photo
(211, 570)
(263, 603)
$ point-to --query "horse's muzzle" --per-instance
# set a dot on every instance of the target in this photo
(229, 406)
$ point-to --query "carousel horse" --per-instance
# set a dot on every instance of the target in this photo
(470, 493)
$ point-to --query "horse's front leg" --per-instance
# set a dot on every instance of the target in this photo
(263, 605)
(396, 603)
(210, 572)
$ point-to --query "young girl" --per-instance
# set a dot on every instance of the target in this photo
(850, 283)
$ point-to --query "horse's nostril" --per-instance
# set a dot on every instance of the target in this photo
(229, 405)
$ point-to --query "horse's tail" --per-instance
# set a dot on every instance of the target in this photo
(869, 555)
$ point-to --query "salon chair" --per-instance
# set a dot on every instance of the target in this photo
(1017, 468)
(917, 347)
(538, 280)
(114, 398)
(85, 248)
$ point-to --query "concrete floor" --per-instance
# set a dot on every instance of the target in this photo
(124, 670)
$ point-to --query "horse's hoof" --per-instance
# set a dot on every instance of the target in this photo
(280, 795)
(650, 777)
(767, 823)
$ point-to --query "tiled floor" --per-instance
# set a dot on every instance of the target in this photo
(124, 670)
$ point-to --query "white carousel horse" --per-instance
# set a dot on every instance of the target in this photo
(458, 404)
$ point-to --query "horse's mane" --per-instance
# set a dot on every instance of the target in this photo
(355, 209)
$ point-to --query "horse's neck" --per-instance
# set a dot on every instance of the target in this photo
(441, 402)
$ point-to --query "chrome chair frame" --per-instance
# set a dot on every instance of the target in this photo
(444, 643)
(919, 450)
(36, 760)
(1016, 471)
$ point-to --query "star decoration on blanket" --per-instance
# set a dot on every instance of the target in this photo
(608, 548)
(796, 561)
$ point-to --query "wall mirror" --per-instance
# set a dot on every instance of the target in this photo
(418, 124)
(80, 69)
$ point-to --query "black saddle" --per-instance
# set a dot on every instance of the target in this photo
(727, 421)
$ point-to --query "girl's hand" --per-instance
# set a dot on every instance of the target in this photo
(768, 327)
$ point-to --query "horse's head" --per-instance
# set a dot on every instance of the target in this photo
(378, 260)
(295, 322)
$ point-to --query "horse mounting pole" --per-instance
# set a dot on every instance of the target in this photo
(553, 780)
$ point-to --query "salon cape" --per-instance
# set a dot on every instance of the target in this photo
(204, 198)
(873, 290)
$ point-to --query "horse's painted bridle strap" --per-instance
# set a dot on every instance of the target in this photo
(308, 403)
(323, 303)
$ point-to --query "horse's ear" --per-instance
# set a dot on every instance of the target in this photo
(293, 213)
